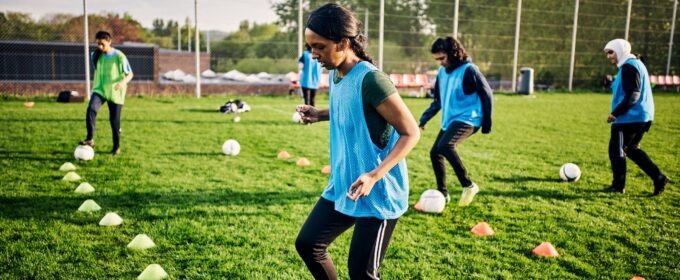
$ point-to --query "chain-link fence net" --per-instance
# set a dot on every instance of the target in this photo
(50, 48)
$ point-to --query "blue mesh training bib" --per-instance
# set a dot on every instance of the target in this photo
(643, 110)
(353, 154)
(456, 105)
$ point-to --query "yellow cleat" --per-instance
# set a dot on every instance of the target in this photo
(468, 195)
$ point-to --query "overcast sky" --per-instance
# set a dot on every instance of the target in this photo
(223, 15)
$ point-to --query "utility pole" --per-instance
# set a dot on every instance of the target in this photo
(514, 63)
(86, 42)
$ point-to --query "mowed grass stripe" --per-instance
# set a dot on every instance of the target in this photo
(218, 217)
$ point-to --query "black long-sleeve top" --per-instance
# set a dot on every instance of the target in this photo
(473, 82)
(630, 81)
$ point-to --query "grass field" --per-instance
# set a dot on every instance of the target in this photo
(218, 217)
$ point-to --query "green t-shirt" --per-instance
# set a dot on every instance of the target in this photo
(375, 88)
(111, 69)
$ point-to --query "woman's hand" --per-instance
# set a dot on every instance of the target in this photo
(309, 113)
(611, 118)
(362, 186)
(118, 86)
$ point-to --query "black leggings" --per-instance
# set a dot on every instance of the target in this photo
(625, 141)
(96, 102)
(309, 94)
(445, 147)
(369, 242)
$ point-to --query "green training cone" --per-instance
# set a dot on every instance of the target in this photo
(152, 272)
(67, 166)
(71, 177)
(89, 206)
(141, 242)
(84, 188)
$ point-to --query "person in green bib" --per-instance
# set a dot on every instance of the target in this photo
(112, 72)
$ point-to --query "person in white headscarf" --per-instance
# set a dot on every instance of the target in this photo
(631, 115)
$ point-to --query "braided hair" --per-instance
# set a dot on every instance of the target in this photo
(335, 22)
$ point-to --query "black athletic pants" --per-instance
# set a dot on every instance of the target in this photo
(625, 141)
(369, 242)
(309, 95)
(96, 102)
(445, 147)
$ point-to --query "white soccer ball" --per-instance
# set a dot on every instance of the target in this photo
(297, 118)
(237, 119)
(570, 172)
(231, 147)
(432, 201)
(84, 152)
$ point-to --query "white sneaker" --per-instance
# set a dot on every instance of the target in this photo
(447, 197)
(468, 195)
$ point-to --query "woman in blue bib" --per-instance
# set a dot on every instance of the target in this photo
(631, 115)
(310, 71)
(463, 95)
(371, 132)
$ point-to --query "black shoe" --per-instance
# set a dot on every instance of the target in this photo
(660, 185)
(613, 189)
(87, 142)
(115, 152)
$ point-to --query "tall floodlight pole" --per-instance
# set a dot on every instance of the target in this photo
(514, 61)
(207, 41)
(300, 31)
(455, 20)
(670, 42)
(573, 46)
(630, 6)
(86, 42)
(366, 24)
(198, 51)
(188, 35)
(381, 35)
(179, 37)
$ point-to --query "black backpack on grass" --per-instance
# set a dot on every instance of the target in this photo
(232, 106)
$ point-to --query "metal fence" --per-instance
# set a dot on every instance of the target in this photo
(63, 61)
(561, 39)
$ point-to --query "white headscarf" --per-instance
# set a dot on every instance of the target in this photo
(622, 49)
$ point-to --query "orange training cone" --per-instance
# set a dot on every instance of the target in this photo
(326, 169)
(482, 229)
(418, 206)
(637, 278)
(546, 250)
(283, 155)
(29, 104)
(303, 162)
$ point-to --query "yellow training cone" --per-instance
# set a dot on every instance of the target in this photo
(303, 162)
(71, 177)
(84, 188)
(153, 272)
(67, 166)
(141, 242)
(111, 219)
(283, 155)
(89, 206)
